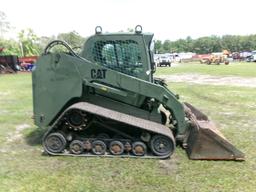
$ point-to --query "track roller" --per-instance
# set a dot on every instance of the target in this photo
(139, 148)
(76, 147)
(116, 148)
(98, 147)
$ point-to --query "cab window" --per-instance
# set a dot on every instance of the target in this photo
(122, 56)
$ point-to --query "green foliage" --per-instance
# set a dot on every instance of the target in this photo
(209, 44)
(11, 47)
(72, 38)
(44, 41)
(166, 45)
(158, 46)
(33, 45)
(29, 42)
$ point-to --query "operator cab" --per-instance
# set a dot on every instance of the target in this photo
(128, 53)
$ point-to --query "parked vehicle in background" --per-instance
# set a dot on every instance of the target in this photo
(163, 60)
(215, 58)
(27, 63)
(186, 56)
(236, 56)
(9, 64)
(252, 57)
(202, 58)
(176, 57)
(156, 57)
(245, 54)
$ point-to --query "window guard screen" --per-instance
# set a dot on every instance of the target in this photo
(122, 56)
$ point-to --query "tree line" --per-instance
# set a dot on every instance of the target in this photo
(29, 43)
(209, 44)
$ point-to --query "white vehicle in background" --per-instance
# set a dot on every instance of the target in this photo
(163, 60)
(252, 57)
(156, 56)
(176, 57)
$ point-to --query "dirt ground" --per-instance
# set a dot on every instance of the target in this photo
(212, 80)
(17, 134)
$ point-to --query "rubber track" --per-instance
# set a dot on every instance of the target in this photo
(116, 116)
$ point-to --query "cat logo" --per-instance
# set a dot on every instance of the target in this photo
(98, 73)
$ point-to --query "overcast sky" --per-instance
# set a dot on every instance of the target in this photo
(167, 19)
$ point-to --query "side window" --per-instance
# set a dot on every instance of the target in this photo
(123, 56)
(108, 53)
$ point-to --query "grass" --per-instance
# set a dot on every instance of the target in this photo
(24, 168)
(243, 69)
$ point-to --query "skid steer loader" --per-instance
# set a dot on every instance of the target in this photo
(104, 101)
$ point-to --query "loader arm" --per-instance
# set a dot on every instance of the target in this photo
(124, 83)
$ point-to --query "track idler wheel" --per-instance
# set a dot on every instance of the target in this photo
(139, 148)
(76, 147)
(98, 147)
(161, 145)
(55, 142)
(77, 120)
(116, 148)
